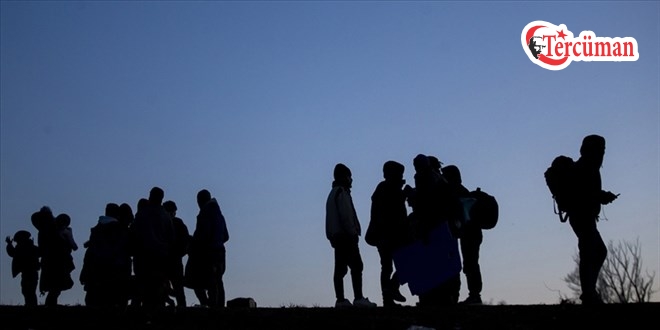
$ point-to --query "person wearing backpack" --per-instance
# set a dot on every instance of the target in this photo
(470, 239)
(55, 251)
(583, 215)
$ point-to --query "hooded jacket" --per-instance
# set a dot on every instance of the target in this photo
(108, 255)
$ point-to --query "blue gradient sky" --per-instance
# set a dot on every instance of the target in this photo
(257, 101)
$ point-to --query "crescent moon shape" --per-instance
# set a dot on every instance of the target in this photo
(551, 61)
(530, 33)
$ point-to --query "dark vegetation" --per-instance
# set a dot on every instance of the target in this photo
(563, 316)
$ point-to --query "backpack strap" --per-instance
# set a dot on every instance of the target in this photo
(563, 216)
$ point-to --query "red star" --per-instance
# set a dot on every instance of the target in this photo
(561, 34)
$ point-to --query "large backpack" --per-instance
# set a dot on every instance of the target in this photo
(485, 210)
(559, 178)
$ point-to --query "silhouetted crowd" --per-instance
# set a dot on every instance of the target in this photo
(423, 244)
(134, 259)
(137, 259)
(437, 199)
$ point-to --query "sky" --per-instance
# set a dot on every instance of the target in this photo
(257, 102)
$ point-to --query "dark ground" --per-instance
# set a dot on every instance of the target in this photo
(615, 316)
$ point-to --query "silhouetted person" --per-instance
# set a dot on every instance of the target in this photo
(25, 261)
(470, 240)
(343, 230)
(106, 269)
(388, 227)
(433, 205)
(126, 216)
(126, 219)
(426, 197)
(449, 207)
(63, 227)
(436, 167)
(154, 247)
(56, 260)
(584, 215)
(207, 255)
(44, 221)
(181, 242)
(135, 292)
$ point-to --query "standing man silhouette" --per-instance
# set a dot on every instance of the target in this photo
(207, 261)
(388, 228)
(584, 215)
(181, 242)
(154, 246)
(342, 229)
(470, 240)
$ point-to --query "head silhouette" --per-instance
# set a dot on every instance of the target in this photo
(434, 163)
(203, 197)
(62, 221)
(421, 163)
(393, 171)
(112, 210)
(126, 214)
(156, 196)
(22, 237)
(452, 174)
(342, 175)
(592, 150)
(170, 207)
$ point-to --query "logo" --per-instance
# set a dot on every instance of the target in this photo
(554, 47)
